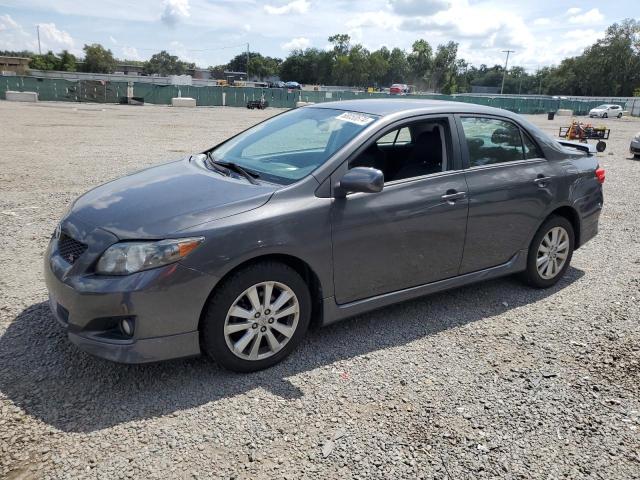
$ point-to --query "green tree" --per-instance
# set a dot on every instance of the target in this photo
(398, 67)
(67, 62)
(359, 63)
(421, 62)
(97, 59)
(444, 68)
(259, 66)
(379, 67)
(341, 43)
(48, 61)
(163, 63)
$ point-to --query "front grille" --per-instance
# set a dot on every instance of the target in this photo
(69, 248)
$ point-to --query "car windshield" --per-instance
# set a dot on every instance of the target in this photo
(604, 107)
(290, 146)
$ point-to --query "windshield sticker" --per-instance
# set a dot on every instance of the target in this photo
(357, 118)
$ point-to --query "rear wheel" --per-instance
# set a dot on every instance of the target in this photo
(550, 253)
(256, 317)
(604, 115)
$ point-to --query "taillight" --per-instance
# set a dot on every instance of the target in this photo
(600, 174)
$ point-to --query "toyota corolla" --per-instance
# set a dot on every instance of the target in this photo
(313, 216)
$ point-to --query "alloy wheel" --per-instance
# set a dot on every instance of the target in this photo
(261, 320)
(552, 253)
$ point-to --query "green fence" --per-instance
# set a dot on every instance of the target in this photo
(112, 91)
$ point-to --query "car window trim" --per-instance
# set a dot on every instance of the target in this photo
(489, 166)
(399, 125)
(341, 168)
(422, 178)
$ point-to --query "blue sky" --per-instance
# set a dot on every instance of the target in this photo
(210, 32)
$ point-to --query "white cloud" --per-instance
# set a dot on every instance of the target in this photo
(542, 22)
(53, 38)
(574, 11)
(174, 11)
(380, 19)
(296, 6)
(130, 53)
(113, 40)
(14, 37)
(299, 43)
(6, 22)
(590, 17)
(422, 8)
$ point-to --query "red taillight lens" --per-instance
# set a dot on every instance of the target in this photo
(600, 174)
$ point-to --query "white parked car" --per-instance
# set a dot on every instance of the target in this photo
(606, 111)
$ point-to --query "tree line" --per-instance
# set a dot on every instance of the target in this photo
(609, 67)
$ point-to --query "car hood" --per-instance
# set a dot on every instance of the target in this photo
(162, 200)
(597, 110)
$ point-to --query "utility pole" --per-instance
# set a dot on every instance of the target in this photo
(506, 62)
(38, 30)
(247, 61)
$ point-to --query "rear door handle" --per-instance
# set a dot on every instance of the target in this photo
(452, 196)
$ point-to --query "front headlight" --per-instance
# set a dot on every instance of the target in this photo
(129, 257)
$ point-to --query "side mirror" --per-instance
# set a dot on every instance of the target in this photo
(362, 179)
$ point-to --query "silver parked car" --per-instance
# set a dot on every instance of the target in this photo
(634, 148)
(313, 216)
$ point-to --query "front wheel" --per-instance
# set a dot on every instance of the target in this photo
(604, 115)
(257, 317)
(620, 115)
(550, 253)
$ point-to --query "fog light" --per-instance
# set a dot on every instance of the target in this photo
(126, 326)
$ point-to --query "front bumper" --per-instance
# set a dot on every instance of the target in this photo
(164, 304)
(634, 148)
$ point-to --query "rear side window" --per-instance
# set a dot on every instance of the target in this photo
(490, 141)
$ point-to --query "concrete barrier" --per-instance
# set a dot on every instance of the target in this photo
(183, 102)
(21, 96)
(564, 112)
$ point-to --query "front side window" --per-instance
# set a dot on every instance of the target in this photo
(401, 136)
(414, 150)
(490, 141)
(290, 146)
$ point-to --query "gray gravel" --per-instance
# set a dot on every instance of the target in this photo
(492, 380)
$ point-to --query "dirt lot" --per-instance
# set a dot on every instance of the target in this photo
(492, 380)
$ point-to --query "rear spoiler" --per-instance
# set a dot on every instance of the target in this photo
(584, 147)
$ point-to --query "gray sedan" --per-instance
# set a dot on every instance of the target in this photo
(313, 216)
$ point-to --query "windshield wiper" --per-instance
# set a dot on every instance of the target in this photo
(225, 167)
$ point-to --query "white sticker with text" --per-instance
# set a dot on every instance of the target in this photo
(354, 117)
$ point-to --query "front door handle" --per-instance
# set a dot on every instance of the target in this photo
(542, 181)
(451, 196)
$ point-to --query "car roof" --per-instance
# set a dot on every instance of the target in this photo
(384, 107)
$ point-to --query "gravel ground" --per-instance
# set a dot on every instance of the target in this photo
(491, 380)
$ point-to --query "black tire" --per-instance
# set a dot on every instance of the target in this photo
(531, 275)
(604, 115)
(601, 146)
(620, 115)
(212, 328)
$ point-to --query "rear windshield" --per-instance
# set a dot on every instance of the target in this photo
(290, 146)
